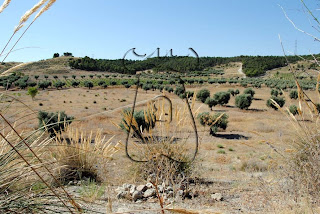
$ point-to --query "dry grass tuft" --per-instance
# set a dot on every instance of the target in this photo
(81, 155)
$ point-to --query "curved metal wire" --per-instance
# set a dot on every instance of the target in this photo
(168, 99)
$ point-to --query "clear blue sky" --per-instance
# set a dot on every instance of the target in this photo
(108, 28)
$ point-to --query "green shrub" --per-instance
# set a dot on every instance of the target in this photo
(33, 91)
(293, 109)
(280, 100)
(88, 84)
(101, 82)
(146, 87)
(203, 94)
(59, 84)
(53, 122)
(221, 151)
(140, 118)
(75, 83)
(231, 91)
(211, 102)
(222, 97)
(236, 92)
(249, 91)
(294, 94)
(243, 101)
(179, 90)
(213, 122)
(43, 85)
(274, 92)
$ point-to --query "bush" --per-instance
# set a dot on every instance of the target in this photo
(32, 84)
(44, 85)
(75, 83)
(203, 94)
(146, 87)
(243, 101)
(179, 91)
(211, 102)
(32, 91)
(88, 84)
(101, 82)
(249, 91)
(274, 92)
(53, 122)
(169, 89)
(293, 94)
(231, 91)
(280, 100)
(222, 97)
(236, 92)
(139, 118)
(293, 109)
(215, 122)
(59, 84)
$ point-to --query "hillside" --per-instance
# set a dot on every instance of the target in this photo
(266, 66)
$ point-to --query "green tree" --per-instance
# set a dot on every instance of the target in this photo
(293, 109)
(203, 94)
(279, 100)
(33, 91)
(88, 84)
(222, 97)
(53, 122)
(294, 94)
(249, 91)
(211, 102)
(55, 55)
(243, 101)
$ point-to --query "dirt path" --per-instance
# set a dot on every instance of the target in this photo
(241, 72)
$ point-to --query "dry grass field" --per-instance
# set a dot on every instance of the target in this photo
(240, 163)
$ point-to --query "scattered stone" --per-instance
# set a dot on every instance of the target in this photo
(126, 187)
(132, 189)
(137, 195)
(217, 196)
(169, 194)
(169, 188)
(122, 194)
(142, 188)
(149, 185)
(180, 193)
(160, 189)
(149, 193)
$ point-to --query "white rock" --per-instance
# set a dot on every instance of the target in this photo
(149, 193)
(169, 194)
(180, 193)
(132, 189)
(149, 185)
(126, 187)
(142, 188)
(169, 188)
(160, 189)
(217, 196)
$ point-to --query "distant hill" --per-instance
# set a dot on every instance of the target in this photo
(59, 65)
(252, 66)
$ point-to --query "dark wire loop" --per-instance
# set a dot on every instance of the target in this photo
(168, 99)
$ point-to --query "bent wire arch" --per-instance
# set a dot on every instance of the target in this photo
(168, 99)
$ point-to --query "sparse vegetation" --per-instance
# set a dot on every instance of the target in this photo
(243, 101)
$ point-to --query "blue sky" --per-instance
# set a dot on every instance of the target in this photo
(108, 28)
